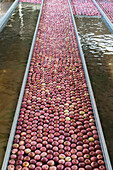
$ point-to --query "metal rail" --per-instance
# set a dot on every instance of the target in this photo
(105, 18)
(13, 129)
(6, 17)
(97, 120)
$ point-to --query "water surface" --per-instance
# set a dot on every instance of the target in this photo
(97, 44)
(15, 42)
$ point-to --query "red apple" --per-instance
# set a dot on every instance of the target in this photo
(11, 167)
(102, 167)
(94, 165)
(45, 167)
(74, 167)
(60, 167)
(88, 167)
(50, 163)
(52, 168)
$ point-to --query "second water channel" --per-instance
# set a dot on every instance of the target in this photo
(97, 45)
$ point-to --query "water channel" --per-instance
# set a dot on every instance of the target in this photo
(15, 42)
(97, 45)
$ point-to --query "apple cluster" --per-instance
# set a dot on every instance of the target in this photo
(84, 7)
(56, 127)
(107, 7)
(32, 1)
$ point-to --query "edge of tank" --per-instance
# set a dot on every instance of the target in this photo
(6, 17)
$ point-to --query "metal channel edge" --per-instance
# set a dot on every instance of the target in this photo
(96, 115)
(13, 128)
(5, 18)
(105, 18)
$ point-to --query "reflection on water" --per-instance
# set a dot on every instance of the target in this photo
(15, 41)
(21, 19)
(97, 44)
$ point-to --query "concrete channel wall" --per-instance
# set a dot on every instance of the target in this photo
(6, 17)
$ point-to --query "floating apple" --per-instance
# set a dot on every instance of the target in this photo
(50, 163)
(26, 164)
(52, 168)
(68, 159)
(27, 151)
(45, 167)
(91, 139)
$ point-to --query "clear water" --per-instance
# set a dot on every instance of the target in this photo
(15, 42)
(97, 44)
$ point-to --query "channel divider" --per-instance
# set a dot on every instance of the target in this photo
(105, 18)
(13, 128)
(5, 18)
(95, 111)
